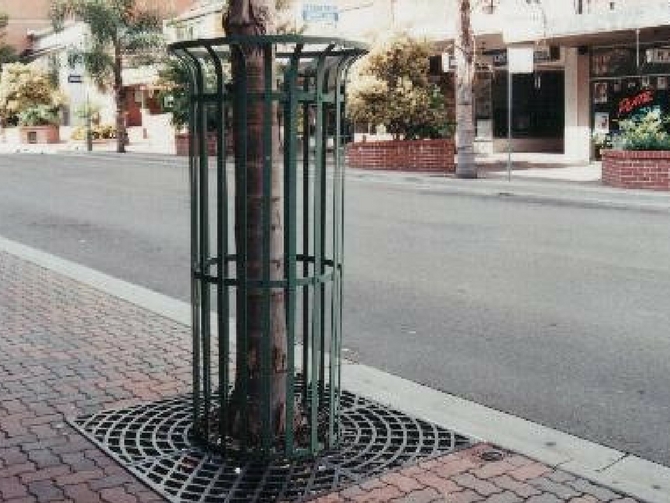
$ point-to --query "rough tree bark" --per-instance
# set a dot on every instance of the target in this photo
(256, 17)
(465, 72)
(119, 99)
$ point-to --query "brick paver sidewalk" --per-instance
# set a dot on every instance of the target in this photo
(465, 477)
(68, 349)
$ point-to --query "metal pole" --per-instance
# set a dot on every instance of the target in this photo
(509, 124)
(89, 133)
(637, 49)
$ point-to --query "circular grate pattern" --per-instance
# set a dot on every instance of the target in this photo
(152, 441)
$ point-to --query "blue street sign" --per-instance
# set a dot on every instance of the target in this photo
(320, 12)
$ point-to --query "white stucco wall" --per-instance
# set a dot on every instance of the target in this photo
(49, 44)
(558, 19)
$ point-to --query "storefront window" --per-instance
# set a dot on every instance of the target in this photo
(538, 105)
(620, 89)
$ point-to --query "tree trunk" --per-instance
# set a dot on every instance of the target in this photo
(465, 73)
(119, 98)
(256, 17)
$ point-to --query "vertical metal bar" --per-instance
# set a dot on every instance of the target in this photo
(241, 96)
(290, 223)
(306, 137)
(203, 196)
(341, 251)
(319, 175)
(324, 202)
(509, 122)
(637, 50)
(266, 346)
(334, 360)
(336, 313)
(223, 306)
(193, 187)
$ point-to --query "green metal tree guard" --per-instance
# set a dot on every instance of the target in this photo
(308, 100)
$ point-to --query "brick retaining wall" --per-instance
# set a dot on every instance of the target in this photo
(181, 144)
(39, 134)
(414, 155)
(636, 169)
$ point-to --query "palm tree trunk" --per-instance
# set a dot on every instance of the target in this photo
(465, 73)
(255, 17)
(119, 98)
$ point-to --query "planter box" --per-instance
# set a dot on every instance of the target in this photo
(413, 155)
(39, 134)
(181, 141)
(636, 169)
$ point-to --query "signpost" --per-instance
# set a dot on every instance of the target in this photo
(74, 78)
(520, 59)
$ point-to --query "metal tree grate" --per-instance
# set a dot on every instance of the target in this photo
(153, 441)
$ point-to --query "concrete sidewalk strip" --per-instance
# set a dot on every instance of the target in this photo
(75, 341)
(564, 193)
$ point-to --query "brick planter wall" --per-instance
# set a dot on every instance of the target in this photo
(39, 134)
(636, 169)
(181, 143)
(414, 155)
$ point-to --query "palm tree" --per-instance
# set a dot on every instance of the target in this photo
(464, 53)
(121, 33)
(257, 17)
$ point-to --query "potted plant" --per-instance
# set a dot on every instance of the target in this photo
(39, 124)
(642, 160)
(174, 80)
(391, 87)
(100, 133)
(601, 140)
(29, 100)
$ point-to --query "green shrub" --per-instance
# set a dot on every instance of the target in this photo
(391, 88)
(647, 132)
(25, 90)
(40, 115)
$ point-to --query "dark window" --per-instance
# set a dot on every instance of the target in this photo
(538, 105)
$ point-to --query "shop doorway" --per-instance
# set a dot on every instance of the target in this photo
(538, 111)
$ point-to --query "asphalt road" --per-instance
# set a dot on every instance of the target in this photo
(558, 314)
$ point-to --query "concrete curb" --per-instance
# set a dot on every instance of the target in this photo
(608, 467)
(548, 191)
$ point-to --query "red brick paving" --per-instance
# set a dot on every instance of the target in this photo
(464, 477)
(67, 349)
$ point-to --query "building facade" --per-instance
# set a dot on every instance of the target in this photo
(48, 50)
(595, 61)
(25, 17)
